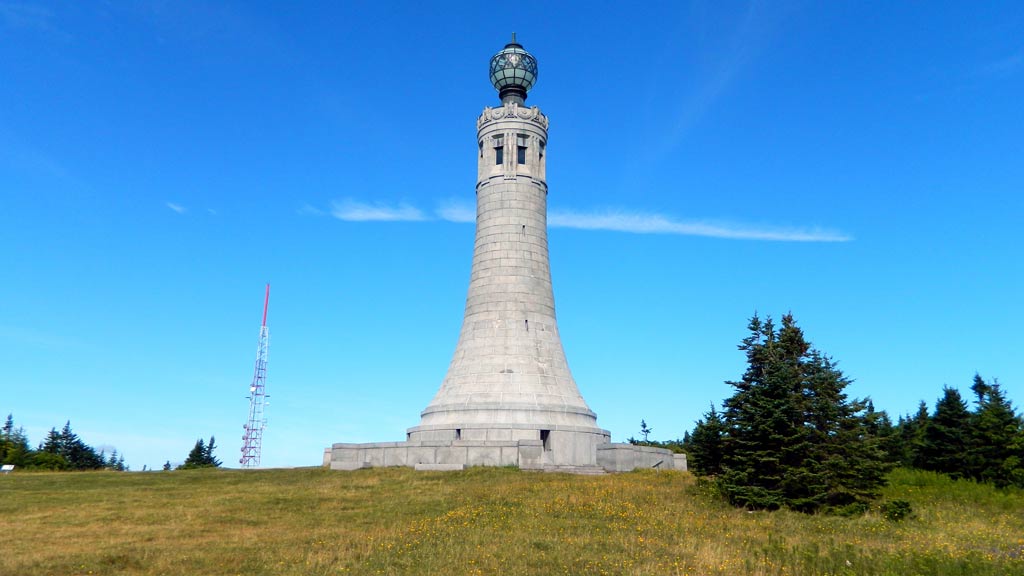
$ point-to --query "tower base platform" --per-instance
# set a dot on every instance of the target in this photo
(526, 454)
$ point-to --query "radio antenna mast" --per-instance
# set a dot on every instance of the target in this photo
(252, 440)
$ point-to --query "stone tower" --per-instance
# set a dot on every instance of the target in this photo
(508, 398)
(508, 379)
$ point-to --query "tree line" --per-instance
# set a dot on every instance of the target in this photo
(985, 444)
(789, 436)
(64, 450)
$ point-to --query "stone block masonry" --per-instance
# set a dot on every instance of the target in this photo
(524, 454)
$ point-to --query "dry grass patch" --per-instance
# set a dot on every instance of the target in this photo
(481, 521)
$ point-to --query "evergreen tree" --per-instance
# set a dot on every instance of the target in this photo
(849, 445)
(196, 457)
(945, 442)
(763, 436)
(704, 446)
(116, 461)
(77, 453)
(645, 430)
(996, 450)
(791, 437)
(881, 426)
(208, 458)
(910, 432)
(14, 447)
(51, 444)
(48, 456)
(48, 461)
(6, 437)
(201, 456)
(17, 450)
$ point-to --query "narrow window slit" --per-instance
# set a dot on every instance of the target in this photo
(499, 150)
(521, 148)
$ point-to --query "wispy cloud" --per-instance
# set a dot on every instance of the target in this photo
(353, 211)
(453, 211)
(609, 220)
(177, 207)
(30, 16)
(309, 210)
(1006, 66)
(659, 224)
(728, 56)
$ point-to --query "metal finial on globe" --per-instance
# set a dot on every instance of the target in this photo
(513, 72)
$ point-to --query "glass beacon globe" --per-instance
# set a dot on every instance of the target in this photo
(513, 72)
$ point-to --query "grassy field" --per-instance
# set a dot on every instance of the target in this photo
(481, 521)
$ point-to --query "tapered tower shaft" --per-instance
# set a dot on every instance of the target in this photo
(508, 378)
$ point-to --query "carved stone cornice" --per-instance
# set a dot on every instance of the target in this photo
(515, 111)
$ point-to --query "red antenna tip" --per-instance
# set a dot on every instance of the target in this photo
(266, 303)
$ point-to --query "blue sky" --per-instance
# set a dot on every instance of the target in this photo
(859, 164)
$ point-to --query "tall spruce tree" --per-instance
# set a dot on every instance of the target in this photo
(208, 458)
(759, 418)
(946, 436)
(51, 444)
(16, 449)
(996, 442)
(880, 425)
(704, 446)
(910, 431)
(791, 437)
(196, 457)
(48, 456)
(78, 454)
(116, 462)
(201, 456)
(6, 436)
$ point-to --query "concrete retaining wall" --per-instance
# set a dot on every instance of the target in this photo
(524, 454)
(626, 457)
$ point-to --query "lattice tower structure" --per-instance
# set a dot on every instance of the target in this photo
(252, 440)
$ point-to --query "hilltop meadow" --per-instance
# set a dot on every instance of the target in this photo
(312, 521)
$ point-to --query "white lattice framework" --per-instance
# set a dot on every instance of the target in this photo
(252, 440)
